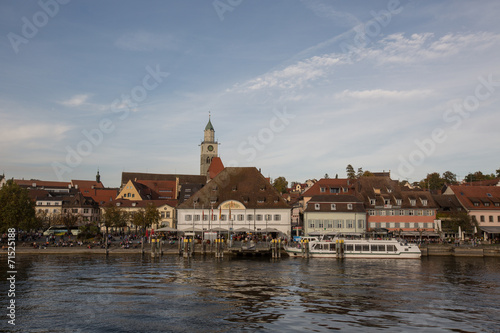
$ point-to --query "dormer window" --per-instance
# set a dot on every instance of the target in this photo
(387, 201)
(316, 206)
(322, 189)
(413, 202)
(372, 201)
(349, 206)
(398, 202)
(333, 207)
(334, 190)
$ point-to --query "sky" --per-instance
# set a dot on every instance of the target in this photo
(298, 89)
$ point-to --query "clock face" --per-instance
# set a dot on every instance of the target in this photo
(210, 148)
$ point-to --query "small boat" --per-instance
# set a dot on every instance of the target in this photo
(354, 248)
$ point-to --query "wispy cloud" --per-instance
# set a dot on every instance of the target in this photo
(146, 41)
(383, 94)
(76, 100)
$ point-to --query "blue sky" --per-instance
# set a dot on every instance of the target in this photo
(296, 88)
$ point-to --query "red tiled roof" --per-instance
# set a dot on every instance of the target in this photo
(215, 167)
(478, 197)
(86, 183)
(327, 184)
(41, 183)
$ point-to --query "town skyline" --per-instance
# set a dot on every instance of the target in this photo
(297, 89)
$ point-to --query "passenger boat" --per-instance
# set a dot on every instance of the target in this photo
(354, 248)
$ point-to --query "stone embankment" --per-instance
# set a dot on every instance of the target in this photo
(460, 251)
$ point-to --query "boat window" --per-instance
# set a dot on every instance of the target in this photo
(391, 248)
(357, 247)
(349, 247)
(332, 247)
(366, 247)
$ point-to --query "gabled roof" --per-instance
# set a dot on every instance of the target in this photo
(341, 202)
(215, 167)
(86, 184)
(328, 184)
(101, 195)
(243, 184)
(477, 197)
(160, 188)
(183, 179)
(33, 183)
(140, 203)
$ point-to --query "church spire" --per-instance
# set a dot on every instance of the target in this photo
(98, 177)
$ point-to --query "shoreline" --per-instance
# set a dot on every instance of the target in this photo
(427, 251)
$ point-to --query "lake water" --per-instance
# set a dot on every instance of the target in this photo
(120, 293)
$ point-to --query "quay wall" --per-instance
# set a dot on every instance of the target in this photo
(460, 251)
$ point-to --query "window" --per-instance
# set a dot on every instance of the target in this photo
(329, 224)
(223, 217)
(316, 206)
(85, 211)
(420, 212)
(188, 218)
(407, 225)
(333, 207)
(345, 189)
(372, 201)
(398, 202)
(334, 190)
(320, 223)
(188, 190)
(424, 202)
(205, 217)
(361, 224)
(411, 212)
(476, 204)
(413, 202)
(311, 224)
(349, 206)
(387, 201)
(390, 212)
(250, 217)
(340, 224)
(269, 217)
(486, 204)
(162, 215)
(396, 225)
(167, 215)
(382, 213)
(491, 218)
(258, 217)
(349, 223)
(371, 212)
(482, 218)
(322, 189)
(197, 217)
(241, 217)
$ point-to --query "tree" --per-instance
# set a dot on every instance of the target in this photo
(433, 181)
(145, 217)
(498, 173)
(351, 174)
(359, 174)
(367, 174)
(113, 216)
(280, 184)
(69, 220)
(449, 178)
(16, 208)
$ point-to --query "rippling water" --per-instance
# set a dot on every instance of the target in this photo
(139, 294)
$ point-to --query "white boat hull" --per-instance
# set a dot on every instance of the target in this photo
(349, 249)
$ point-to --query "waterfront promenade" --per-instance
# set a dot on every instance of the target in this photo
(464, 250)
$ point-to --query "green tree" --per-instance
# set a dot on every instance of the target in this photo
(351, 174)
(498, 173)
(359, 174)
(16, 208)
(367, 174)
(113, 216)
(433, 181)
(280, 184)
(449, 178)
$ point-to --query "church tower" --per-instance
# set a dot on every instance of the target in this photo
(208, 148)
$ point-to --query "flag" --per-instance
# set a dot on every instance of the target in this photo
(203, 215)
(220, 213)
(230, 212)
(212, 213)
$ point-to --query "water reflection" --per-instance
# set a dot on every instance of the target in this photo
(134, 293)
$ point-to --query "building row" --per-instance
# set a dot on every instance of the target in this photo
(241, 199)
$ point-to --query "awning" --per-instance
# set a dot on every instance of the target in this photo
(417, 233)
(164, 229)
(491, 230)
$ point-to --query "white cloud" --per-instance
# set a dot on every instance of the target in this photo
(145, 41)
(76, 100)
(383, 94)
